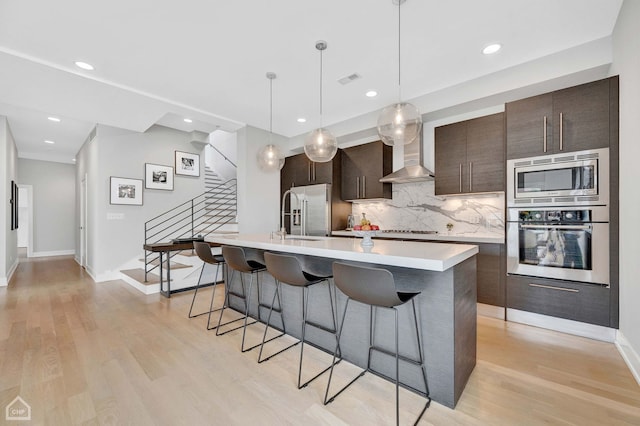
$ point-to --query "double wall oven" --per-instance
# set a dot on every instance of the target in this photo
(558, 216)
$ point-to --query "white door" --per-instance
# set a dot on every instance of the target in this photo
(83, 222)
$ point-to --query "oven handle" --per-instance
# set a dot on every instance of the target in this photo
(583, 227)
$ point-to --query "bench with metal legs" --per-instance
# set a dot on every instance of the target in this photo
(286, 269)
(375, 287)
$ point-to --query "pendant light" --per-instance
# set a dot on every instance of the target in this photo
(270, 158)
(320, 145)
(399, 123)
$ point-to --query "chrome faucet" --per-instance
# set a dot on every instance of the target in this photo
(283, 229)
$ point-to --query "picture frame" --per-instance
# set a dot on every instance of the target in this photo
(125, 191)
(187, 164)
(158, 176)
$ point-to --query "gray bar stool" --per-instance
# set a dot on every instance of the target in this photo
(375, 287)
(203, 250)
(286, 269)
(237, 261)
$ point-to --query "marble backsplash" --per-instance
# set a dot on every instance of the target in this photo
(414, 206)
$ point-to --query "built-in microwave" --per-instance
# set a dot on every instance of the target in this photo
(574, 178)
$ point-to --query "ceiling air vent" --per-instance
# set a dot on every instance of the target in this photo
(348, 79)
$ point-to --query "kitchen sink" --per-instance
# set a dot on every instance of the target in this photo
(301, 239)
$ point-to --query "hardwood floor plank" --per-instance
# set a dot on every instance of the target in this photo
(86, 353)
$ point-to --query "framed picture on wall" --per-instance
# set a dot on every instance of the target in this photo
(125, 191)
(157, 176)
(187, 164)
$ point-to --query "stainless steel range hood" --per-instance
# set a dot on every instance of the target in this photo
(413, 170)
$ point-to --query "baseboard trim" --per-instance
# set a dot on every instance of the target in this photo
(52, 253)
(490, 311)
(596, 332)
(630, 356)
(4, 281)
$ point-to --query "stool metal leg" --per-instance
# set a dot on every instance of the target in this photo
(213, 294)
(196, 293)
(327, 400)
(276, 294)
(334, 330)
(225, 305)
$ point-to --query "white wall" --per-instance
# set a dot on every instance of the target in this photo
(23, 229)
(626, 63)
(8, 172)
(54, 212)
(258, 191)
(227, 143)
(116, 232)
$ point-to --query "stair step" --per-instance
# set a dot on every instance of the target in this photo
(174, 265)
(138, 275)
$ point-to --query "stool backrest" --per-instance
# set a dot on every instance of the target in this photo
(203, 250)
(373, 286)
(235, 258)
(285, 269)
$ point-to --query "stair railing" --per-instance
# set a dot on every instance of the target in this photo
(223, 156)
(198, 217)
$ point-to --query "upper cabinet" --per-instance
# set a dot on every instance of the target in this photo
(362, 168)
(470, 156)
(298, 170)
(572, 119)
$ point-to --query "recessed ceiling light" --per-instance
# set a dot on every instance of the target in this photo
(302, 120)
(73, 159)
(188, 120)
(49, 142)
(492, 48)
(56, 119)
(84, 65)
(371, 94)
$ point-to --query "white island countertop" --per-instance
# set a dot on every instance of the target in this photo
(408, 254)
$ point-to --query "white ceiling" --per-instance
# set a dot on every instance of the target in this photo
(160, 61)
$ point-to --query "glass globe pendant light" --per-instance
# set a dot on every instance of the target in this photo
(320, 145)
(270, 157)
(399, 123)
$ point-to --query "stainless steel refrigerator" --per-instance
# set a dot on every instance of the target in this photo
(311, 210)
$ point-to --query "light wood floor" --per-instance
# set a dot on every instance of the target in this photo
(85, 353)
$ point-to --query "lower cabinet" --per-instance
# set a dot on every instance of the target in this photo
(570, 300)
(491, 274)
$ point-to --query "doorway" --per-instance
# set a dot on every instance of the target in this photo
(25, 218)
(83, 222)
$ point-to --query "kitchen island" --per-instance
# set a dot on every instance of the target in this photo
(445, 274)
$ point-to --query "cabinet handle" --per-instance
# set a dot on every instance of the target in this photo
(460, 176)
(358, 187)
(314, 172)
(309, 171)
(550, 287)
(470, 175)
(544, 134)
(561, 141)
(364, 187)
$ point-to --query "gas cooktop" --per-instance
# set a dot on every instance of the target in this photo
(408, 231)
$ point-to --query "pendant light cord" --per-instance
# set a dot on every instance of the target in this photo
(399, 84)
(321, 89)
(270, 106)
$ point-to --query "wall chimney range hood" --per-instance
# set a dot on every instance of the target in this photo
(413, 170)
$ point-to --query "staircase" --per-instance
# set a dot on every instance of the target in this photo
(212, 212)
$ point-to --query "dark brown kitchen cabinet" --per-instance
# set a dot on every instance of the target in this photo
(298, 170)
(491, 274)
(563, 299)
(362, 168)
(573, 119)
(470, 156)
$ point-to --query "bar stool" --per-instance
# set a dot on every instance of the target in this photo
(286, 269)
(236, 260)
(203, 250)
(376, 287)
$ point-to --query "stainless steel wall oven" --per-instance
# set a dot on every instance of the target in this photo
(558, 216)
(569, 243)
